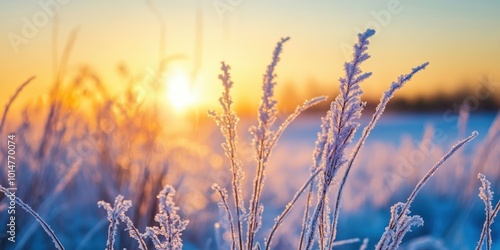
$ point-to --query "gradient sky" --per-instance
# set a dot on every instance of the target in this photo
(459, 38)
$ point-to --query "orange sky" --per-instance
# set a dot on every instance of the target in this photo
(459, 38)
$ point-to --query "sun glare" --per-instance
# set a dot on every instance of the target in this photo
(180, 91)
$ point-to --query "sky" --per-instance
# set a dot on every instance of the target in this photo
(460, 39)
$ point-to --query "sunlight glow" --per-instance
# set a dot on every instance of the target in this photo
(180, 91)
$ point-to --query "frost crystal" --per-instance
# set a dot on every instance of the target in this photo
(171, 225)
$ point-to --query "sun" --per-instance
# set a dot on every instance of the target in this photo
(180, 91)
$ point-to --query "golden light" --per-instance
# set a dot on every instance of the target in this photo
(180, 91)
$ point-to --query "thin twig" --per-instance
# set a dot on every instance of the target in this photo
(65, 57)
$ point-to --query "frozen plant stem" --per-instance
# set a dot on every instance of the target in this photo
(317, 160)
(345, 242)
(44, 224)
(366, 132)
(225, 204)
(171, 225)
(341, 124)
(227, 122)
(262, 138)
(395, 232)
(289, 206)
(431, 172)
(486, 195)
(309, 200)
(114, 214)
(310, 181)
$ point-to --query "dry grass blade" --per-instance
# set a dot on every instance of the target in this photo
(55, 106)
(65, 58)
(12, 99)
(262, 134)
(163, 30)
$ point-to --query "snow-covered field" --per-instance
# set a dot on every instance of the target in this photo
(400, 150)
